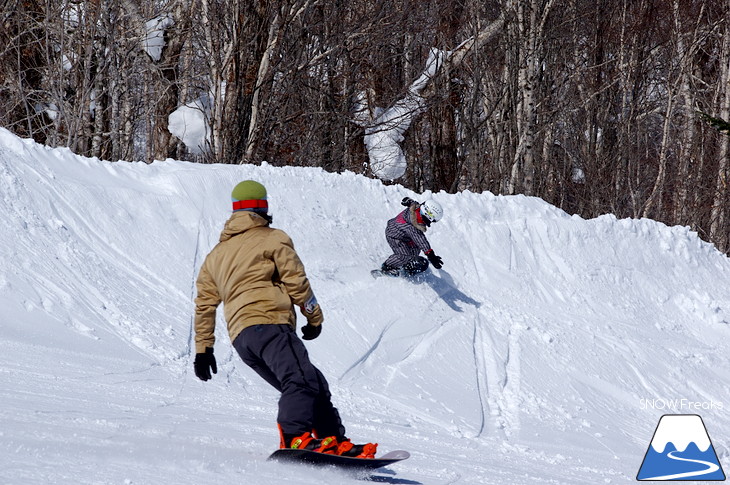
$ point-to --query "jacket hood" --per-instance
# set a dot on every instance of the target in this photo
(414, 218)
(240, 222)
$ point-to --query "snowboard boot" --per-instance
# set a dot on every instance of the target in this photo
(415, 266)
(347, 448)
(390, 270)
(308, 442)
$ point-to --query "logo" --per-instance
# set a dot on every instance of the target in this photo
(310, 304)
(679, 405)
(681, 450)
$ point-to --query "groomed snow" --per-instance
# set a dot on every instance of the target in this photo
(545, 351)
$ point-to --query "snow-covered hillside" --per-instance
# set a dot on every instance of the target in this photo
(545, 351)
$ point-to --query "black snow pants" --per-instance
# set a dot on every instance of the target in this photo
(280, 357)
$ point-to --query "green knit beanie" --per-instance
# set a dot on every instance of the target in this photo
(249, 195)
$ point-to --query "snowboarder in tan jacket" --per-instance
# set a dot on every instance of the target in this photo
(258, 276)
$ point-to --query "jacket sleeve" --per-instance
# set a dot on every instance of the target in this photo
(418, 238)
(206, 304)
(293, 277)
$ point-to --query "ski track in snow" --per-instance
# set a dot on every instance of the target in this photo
(524, 360)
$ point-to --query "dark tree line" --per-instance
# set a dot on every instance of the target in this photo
(595, 106)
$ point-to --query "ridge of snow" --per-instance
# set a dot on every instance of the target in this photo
(542, 352)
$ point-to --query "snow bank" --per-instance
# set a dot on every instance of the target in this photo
(545, 350)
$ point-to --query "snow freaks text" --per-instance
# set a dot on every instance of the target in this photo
(680, 405)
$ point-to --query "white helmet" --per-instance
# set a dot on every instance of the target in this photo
(432, 211)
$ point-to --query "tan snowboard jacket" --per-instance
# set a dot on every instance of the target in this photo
(258, 276)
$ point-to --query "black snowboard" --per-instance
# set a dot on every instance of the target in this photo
(324, 459)
(415, 277)
(378, 273)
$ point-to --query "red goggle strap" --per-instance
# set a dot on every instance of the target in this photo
(250, 204)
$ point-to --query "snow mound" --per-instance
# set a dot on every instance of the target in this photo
(538, 354)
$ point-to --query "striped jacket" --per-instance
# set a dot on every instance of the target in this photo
(406, 237)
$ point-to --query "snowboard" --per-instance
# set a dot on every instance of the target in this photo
(378, 273)
(417, 277)
(323, 459)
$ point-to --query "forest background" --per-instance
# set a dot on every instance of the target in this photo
(596, 106)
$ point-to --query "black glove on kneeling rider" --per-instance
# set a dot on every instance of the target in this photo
(436, 261)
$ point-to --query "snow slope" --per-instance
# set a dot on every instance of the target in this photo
(545, 351)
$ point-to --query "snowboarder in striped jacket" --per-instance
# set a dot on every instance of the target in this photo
(406, 235)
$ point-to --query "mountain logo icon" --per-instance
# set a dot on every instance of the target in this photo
(681, 450)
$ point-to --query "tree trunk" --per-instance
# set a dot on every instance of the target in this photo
(718, 218)
(530, 23)
(444, 157)
(653, 205)
(685, 181)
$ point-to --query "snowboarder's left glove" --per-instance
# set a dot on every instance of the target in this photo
(204, 363)
(310, 332)
(436, 261)
(407, 201)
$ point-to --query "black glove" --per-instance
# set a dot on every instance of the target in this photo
(436, 261)
(407, 201)
(204, 363)
(310, 332)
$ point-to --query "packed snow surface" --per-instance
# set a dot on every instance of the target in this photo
(545, 350)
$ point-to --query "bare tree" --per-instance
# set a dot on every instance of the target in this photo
(590, 104)
(719, 227)
(23, 68)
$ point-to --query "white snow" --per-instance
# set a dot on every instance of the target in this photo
(155, 29)
(189, 124)
(384, 134)
(530, 358)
